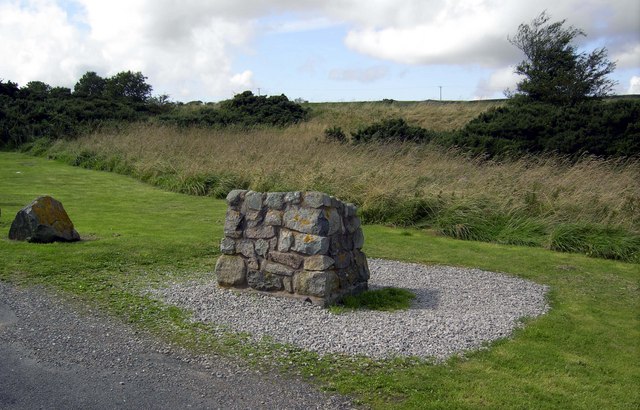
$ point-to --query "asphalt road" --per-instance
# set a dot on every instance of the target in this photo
(55, 355)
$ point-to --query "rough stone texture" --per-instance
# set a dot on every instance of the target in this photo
(231, 270)
(43, 221)
(299, 244)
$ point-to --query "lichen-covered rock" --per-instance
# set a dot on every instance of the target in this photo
(233, 224)
(43, 221)
(277, 269)
(260, 232)
(228, 246)
(308, 244)
(319, 284)
(316, 199)
(235, 197)
(262, 247)
(231, 271)
(253, 200)
(318, 262)
(285, 241)
(273, 218)
(306, 220)
(275, 200)
(286, 258)
(264, 281)
(246, 248)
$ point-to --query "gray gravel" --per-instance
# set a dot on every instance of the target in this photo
(455, 310)
(56, 354)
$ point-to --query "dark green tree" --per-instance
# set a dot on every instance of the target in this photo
(35, 90)
(89, 85)
(128, 85)
(10, 89)
(553, 69)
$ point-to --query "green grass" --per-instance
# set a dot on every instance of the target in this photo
(385, 299)
(583, 354)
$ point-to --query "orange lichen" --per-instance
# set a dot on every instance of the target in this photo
(50, 212)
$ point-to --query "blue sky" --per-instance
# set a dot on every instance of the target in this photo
(316, 65)
(331, 50)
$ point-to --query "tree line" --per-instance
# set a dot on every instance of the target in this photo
(37, 110)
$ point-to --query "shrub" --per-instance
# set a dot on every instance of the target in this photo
(335, 134)
(594, 127)
(394, 129)
(244, 109)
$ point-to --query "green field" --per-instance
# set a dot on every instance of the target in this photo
(583, 354)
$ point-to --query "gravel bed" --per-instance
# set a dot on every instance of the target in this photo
(455, 310)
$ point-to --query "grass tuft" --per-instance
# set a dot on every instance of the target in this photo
(386, 299)
(596, 241)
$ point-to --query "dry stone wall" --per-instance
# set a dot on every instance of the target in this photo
(297, 244)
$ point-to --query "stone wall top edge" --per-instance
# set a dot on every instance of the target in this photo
(312, 199)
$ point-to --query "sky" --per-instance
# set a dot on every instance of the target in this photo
(317, 50)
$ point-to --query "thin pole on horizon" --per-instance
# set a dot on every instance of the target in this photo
(440, 92)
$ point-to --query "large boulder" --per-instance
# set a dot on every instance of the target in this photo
(43, 221)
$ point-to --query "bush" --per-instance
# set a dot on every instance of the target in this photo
(609, 129)
(274, 110)
(244, 109)
(335, 134)
(394, 129)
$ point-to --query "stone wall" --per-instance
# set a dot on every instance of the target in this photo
(297, 244)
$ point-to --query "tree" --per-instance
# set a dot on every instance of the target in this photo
(9, 88)
(553, 70)
(89, 85)
(129, 85)
(36, 90)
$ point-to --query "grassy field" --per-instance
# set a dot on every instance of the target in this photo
(583, 354)
(591, 207)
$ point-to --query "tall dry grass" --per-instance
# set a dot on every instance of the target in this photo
(433, 115)
(297, 158)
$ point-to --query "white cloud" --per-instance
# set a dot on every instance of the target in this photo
(183, 48)
(627, 57)
(498, 82)
(300, 25)
(38, 43)
(363, 75)
(243, 80)
(634, 85)
(187, 48)
(475, 31)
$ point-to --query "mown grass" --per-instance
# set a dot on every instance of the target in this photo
(529, 201)
(583, 354)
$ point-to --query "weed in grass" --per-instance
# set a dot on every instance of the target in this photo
(385, 299)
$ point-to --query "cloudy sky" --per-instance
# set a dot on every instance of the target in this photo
(319, 50)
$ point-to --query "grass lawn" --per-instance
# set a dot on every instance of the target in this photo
(584, 354)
